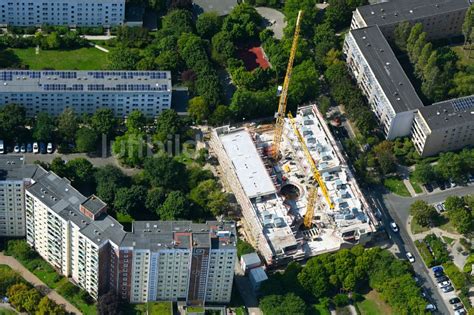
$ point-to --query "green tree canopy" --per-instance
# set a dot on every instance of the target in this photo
(130, 200)
(423, 213)
(424, 173)
(164, 171)
(44, 127)
(103, 121)
(86, 140)
(289, 304)
(176, 206)
(68, 124)
(109, 179)
(208, 24)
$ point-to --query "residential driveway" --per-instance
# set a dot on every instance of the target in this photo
(274, 20)
(37, 283)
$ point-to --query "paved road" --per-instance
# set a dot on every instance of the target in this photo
(37, 283)
(397, 209)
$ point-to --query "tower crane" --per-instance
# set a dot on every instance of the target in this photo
(280, 115)
(312, 191)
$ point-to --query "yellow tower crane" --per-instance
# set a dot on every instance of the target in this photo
(280, 115)
(312, 192)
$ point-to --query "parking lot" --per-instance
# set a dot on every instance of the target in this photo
(446, 290)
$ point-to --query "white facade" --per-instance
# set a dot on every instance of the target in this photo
(220, 275)
(12, 203)
(62, 12)
(87, 91)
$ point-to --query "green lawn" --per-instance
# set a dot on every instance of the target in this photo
(416, 228)
(319, 309)
(4, 311)
(160, 308)
(241, 311)
(373, 305)
(416, 186)
(448, 240)
(80, 59)
(464, 55)
(396, 185)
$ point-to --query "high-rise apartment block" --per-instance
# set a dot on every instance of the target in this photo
(87, 91)
(443, 126)
(72, 13)
(157, 260)
(440, 18)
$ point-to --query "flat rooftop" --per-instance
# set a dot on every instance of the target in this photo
(84, 81)
(454, 112)
(221, 7)
(13, 167)
(386, 68)
(396, 11)
(248, 164)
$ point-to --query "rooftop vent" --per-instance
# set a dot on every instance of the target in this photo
(372, 12)
(387, 63)
(438, 113)
(363, 37)
(411, 11)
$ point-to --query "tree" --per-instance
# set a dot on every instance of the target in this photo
(169, 124)
(164, 171)
(178, 22)
(207, 194)
(181, 4)
(453, 202)
(8, 277)
(324, 39)
(155, 198)
(451, 166)
(122, 58)
(169, 60)
(12, 121)
(243, 23)
(130, 149)
(401, 34)
(109, 179)
(315, 279)
(289, 304)
(108, 304)
(220, 115)
(48, 307)
(304, 83)
(23, 298)
(130, 200)
(423, 213)
(415, 33)
(423, 59)
(135, 122)
(52, 41)
(468, 25)
(424, 173)
(44, 127)
(81, 172)
(86, 140)
(176, 206)
(222, 47)
(198, 109)
(68, 125)
(103, 121)
(385, 157)
(244, 247)
(208, 24)
(58, 166)
(462, 220)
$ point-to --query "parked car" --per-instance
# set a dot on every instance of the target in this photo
(471, 178)
(444, 284)
(410, 257)
(447, 289)
(394, 227)
(35, 147)
(438, 274)
(23, 148)
(42, 148)
(16, 149)
(457, 306)
(460, 312)
(29, 148)
(453, 184)
(454, 300)
(441, 185)
(437, 269)
(439, 208)
(429, 187)
(424, 293)
(49, 147)
(2, 147)
(442, 279)
(431, 307)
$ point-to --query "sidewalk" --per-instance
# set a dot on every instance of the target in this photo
(31, 278)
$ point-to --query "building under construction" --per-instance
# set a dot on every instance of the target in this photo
(276, 197)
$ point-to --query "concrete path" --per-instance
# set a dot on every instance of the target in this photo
(37, 283)
(409, 187)
(101, 48)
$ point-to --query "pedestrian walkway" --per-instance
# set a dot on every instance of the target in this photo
(31, 278)
(409, 187)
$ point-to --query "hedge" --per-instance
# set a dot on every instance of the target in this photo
(425, 253)
(458, 278)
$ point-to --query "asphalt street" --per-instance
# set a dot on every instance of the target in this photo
(395, 208)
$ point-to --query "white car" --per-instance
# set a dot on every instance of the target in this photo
(49, 148)
(394, 226)
(410, 257)
(35, 148)
(16, 148)
(430, 307)
(444, 284)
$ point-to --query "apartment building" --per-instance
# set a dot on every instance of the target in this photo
(440, 18)
(434, 128)
(444, 126)
(14, 177)
(381, 78)
(72, 13)
(86, 91)
(157, 260)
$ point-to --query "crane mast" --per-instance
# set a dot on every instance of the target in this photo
(312, 192)
(280, 115)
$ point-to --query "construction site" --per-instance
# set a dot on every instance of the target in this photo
(297, 194)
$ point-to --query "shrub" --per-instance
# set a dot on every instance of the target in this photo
(466, 244)
(425, 253)
(68, 289)
(438, 248)
(458, 278)
(341, 300)
(244, 247)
